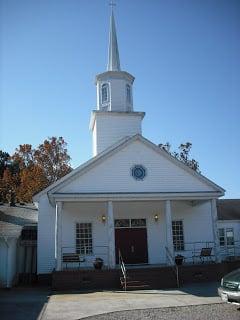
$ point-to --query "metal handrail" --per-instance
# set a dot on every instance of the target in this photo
(123, 269)
(173, 265)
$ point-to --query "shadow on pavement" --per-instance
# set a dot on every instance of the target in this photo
(204, 289)
(23, 303)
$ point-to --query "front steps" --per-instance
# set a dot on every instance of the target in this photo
(150, 278)
(133, 284)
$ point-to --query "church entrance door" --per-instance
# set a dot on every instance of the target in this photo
(132, 242)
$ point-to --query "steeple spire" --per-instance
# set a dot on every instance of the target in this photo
(113, 54)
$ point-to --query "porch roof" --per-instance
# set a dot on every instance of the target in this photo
(132, 196)
(228, 209)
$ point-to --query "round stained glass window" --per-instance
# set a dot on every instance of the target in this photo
(138, 172)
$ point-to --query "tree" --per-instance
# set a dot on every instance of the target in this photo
(32, 180)
(30, 170)
(4, 159)
(24, 156)
(183, 155)
(53, 159)
(9, 179)
(8, 186)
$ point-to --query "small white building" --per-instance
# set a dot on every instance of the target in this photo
(18, 230)
(229, 228)
(130, 196)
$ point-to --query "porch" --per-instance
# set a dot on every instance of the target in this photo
(141, 228)
(166, 229)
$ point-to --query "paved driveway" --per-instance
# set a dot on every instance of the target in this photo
(79, 305)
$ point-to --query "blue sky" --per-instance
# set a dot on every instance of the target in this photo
(185, 55)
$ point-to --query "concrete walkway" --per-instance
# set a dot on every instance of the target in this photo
(79, 305)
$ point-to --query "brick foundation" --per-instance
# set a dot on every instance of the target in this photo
(155, 277)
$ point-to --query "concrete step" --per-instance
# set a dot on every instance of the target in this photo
(134, 284)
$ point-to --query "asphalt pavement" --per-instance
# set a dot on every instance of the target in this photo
(200, 312)
(195, 301)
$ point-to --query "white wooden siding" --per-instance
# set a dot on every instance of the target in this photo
(114, 174)
(46, 236)
(110, 128)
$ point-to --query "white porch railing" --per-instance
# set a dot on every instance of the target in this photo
(84, 256)
(231, 251)
(191, 251)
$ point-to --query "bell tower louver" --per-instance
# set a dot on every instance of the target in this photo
(114, 118)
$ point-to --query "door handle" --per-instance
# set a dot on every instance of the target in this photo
(132, 249)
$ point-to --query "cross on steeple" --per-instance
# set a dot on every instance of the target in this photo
(112, 4)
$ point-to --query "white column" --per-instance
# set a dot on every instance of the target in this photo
(10, 261)
(111, 235)
(168, 221)
(215, 230)
(58, 236)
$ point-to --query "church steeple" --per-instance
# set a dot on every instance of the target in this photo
(114, 118)
(114, 87)
(113, 54)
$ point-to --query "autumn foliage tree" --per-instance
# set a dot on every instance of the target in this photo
(29, 170)
(183, 154)
(53, 159)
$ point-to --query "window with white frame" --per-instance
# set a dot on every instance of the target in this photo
(178, 237)
(226, 236)
(105, 92)
(84, 238)
(230, 236)
(221, 236)
(128, 93)
(130, 223)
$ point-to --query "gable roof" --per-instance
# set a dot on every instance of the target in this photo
(114, 149)
(228, 209)
(13, 219)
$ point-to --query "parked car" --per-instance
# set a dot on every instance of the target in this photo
(229, 291)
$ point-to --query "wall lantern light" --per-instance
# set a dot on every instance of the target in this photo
(156, 217)
(104, 218)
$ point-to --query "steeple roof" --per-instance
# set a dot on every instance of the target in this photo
(113, 54)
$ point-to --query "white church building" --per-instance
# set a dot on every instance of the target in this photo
(130, 196)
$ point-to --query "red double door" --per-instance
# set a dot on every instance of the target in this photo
(132, 242)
